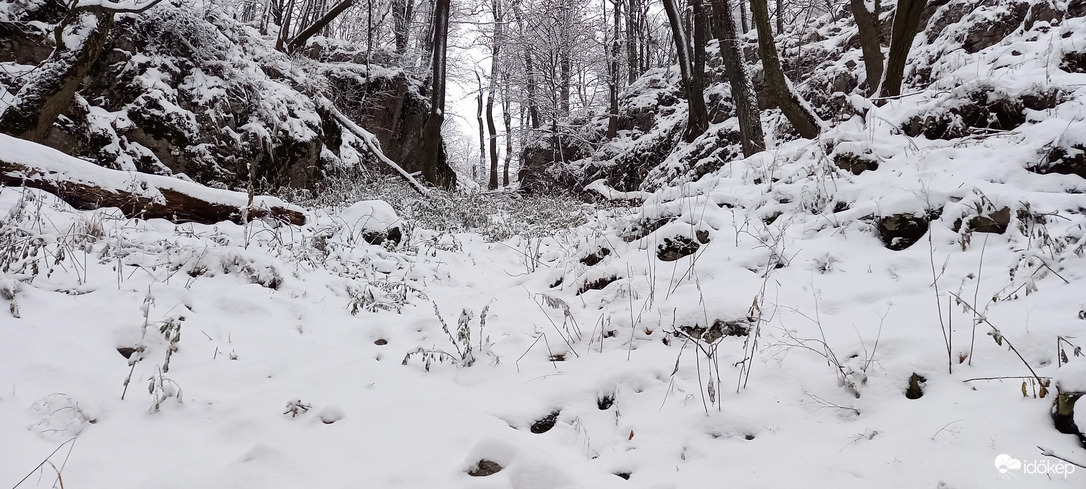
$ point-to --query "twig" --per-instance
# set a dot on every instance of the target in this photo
(945, 427)
(976, 293)
(1050, 453)
(46, 460)
(1000, 337)
(1008, 377)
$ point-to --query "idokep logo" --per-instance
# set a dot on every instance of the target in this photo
(1009, 466)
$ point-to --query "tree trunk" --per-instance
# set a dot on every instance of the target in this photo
(529, 68)
(402, 11)
(284, 28)
(780, 17)
(794, 108)
(321, 23)
(868, 25)
(906, 22)
(87, 186)
(431, 133)
(495, 49)
(693, 83)
(80, 38)
(508, 120)
(482, 124)
(744, 21)
(746, 103)
(612, 85)
(632, 63)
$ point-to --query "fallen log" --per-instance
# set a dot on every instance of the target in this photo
(87, 186)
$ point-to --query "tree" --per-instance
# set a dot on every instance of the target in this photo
(746, 103)
(906, 23)
(867, 23)
(693, 75)
(402, 11)
(80, 38)
(794, 108)
(495, 49)
(318, 25)
(431, 133)
(612, 67)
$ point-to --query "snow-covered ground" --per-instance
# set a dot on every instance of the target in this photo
(269, 317)
(303, 356)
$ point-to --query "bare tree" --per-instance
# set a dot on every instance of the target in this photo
(794, 108)
(693, 75)
(318, 25)
(746, 103)
(495, 60)
(402, 12)
(612, 66)
(867, 23)
(431, 134)
(906, 23)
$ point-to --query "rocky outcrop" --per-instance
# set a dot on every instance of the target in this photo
(178, 92)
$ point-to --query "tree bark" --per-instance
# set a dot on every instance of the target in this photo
(481, 122)
(794, 108)
(906, 23)
(868, 25)
(495, 49)
(742, 89)
(529, 68)
(507, 118)
(693, 82)
(316, 27)
(612, 66)
(402, 11)
(153, 196)
(780, 17)
(284, 29)
(632, 63)
(431, 133)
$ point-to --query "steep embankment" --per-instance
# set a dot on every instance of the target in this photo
(977, 65)
(871, 309)
(184, 91)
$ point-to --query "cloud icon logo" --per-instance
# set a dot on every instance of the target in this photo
(1005, 463)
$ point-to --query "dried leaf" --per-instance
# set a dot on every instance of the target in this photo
(1043, 391)
(1025, 393)
(631, 435)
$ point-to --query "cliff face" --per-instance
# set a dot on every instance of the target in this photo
(196, 93)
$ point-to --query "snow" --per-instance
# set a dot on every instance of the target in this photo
(53, 162)
(290, 370)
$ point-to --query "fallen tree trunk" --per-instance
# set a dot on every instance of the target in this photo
(371, 142)
(87, 186)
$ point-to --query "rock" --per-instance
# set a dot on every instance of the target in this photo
(719, 329)
(1063, 160)
(594, 258)
(546, 423)
(484, 468)
(996, 222)
(374, 221)
(605, 402)
(900, 231)
(982, 108)
(915, 390)
(855, 163)
(597, 284)
(1076, 8)
(676, 247)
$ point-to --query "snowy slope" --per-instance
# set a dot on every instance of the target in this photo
(298, 359)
